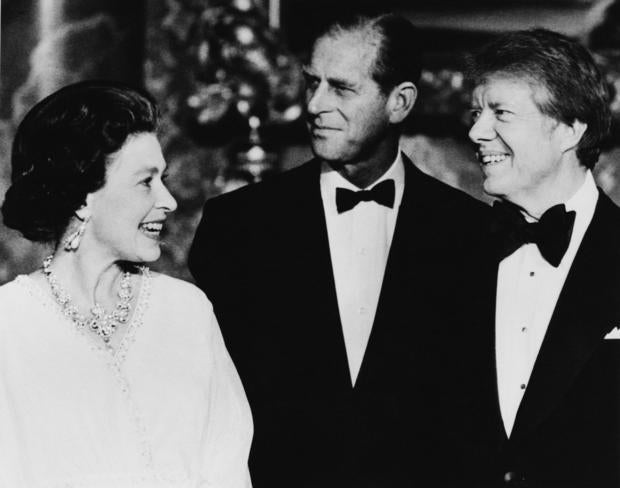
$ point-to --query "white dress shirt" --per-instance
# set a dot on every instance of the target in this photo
(528, 288)
(359, 243)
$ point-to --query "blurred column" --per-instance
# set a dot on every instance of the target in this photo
(81, 39)
(49, 20)
(274, 14)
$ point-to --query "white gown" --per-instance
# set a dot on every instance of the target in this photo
(167, 409)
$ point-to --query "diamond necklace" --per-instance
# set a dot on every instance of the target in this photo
(102, 323)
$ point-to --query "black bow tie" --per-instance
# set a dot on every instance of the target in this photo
(551, 233)
(382, 193)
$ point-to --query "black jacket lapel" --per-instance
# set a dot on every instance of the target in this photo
(309, 263)
(392, 299)
(494, 421)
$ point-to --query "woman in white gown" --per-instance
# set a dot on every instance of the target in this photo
(110, 375)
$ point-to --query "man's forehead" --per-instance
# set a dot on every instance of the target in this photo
(503, 83)
(343, 53)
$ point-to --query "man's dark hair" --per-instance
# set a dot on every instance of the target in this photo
(575, 88)
(397, 59)
(61, 150)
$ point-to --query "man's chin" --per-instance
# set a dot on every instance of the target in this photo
(329, 155)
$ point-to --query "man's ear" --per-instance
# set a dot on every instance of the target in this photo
(401, 101)
(572, 134)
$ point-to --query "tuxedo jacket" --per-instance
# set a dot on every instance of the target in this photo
(567, 429)
(261, 254)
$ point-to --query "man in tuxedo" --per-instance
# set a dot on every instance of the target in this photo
(337, 284)
(550, 416)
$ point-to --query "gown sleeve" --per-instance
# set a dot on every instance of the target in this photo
(229, 425)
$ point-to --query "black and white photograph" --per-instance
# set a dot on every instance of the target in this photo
(309, 244)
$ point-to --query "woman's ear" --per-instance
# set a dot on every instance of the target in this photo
(83, 213)
(401, 101)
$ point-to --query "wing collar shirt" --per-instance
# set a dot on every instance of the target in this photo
(359, 243)
(528, 288)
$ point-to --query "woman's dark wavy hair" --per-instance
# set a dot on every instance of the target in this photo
(61, 149)
(575, 87)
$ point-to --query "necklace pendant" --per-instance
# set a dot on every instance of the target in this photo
(124, 295)
(97, 310)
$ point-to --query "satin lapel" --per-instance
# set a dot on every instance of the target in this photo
(394, 305)
(583, 315)
(309, 253)
(495, 417)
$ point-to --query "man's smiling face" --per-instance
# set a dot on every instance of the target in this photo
(519, 148)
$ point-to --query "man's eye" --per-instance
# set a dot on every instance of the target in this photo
(342, 89)
(502, 114)
(474, 114)
(311, 81)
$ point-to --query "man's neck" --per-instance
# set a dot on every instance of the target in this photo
(558, 192)
(363, 173)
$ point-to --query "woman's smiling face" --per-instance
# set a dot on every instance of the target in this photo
(127, 214)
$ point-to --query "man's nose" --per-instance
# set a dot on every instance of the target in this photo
(483, 128)
(318, 99)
